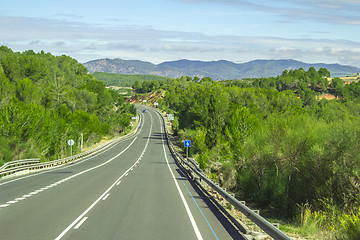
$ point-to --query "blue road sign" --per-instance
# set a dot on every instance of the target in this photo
(187, 143)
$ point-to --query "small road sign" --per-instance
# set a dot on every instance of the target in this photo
(187, 144)
(71, 142)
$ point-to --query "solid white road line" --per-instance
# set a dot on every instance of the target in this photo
(59, 182)
(70, 177)
(191, 217)
(106, 192)
(107, 148)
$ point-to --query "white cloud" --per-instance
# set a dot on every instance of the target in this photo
(88, 41)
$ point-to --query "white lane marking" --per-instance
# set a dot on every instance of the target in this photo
(4, 205)
(57, 183)
(126, 174)
(106, 196)
(70, 177)
(107, 148)
(118, 183)
(102, 195)
(80, 223)
(191, 217)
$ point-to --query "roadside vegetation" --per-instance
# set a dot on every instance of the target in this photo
(46, 100)
(276, 144)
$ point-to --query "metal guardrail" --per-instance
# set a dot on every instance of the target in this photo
(32, 165)
(262, 223)
(20, 162)
(17, 163)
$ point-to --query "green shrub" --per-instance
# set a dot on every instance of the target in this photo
(350, 226)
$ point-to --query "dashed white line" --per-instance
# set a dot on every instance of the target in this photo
(65, 179)
(80, 223)
(118, 183)
(106, 196)
(76, 221)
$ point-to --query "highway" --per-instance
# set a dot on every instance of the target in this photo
(132, 190)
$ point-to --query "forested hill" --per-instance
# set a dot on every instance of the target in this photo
(217, 70)
(46, 100)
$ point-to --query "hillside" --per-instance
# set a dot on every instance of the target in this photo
(217, 70)
(46, 100)
(131, 67)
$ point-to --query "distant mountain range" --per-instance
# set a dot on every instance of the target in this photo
(217, 70)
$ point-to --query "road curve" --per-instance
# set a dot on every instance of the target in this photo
(132, 190)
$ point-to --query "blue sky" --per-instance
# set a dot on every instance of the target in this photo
(162, 30)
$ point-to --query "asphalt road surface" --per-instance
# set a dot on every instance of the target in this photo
(132, 190)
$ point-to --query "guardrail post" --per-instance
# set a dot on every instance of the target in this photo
(224, 200)
(257, 229)
(243, 217)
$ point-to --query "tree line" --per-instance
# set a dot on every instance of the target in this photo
(125, 80)
(46, 100)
